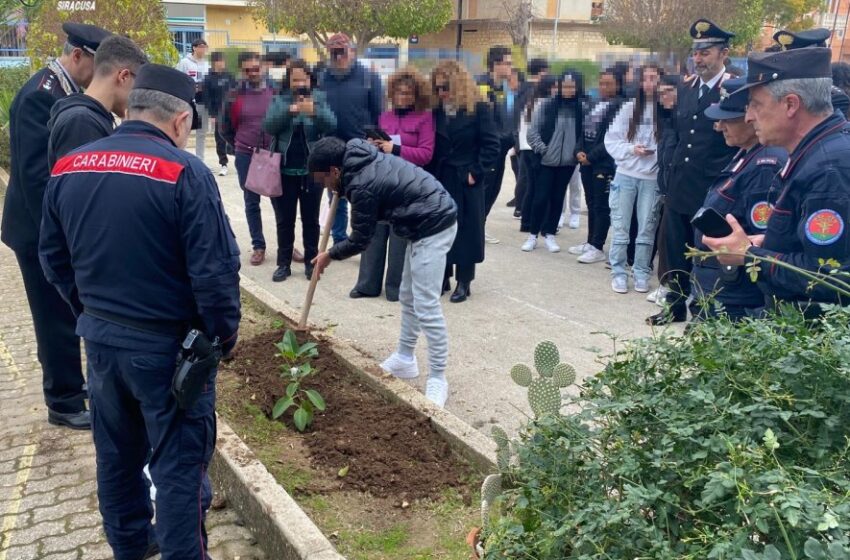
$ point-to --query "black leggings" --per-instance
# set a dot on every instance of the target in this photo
(297, 189)
(547, 194)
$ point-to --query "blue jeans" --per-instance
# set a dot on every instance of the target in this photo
(629, 194)
(252, 203)
(339, 231)
(132, 413)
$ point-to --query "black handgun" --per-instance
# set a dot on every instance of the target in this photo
(198, 359)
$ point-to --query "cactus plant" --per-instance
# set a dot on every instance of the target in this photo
(544, 396)
(543, 392)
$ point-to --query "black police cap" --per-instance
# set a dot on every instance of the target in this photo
(796, 64)
(167, 80)
(706, 33)
(733, 101)
(789, 40)
(85, 36)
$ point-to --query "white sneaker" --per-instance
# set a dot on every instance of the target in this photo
(401, 367)
(223, 171)
(575, 221)
(579, 249)
(437, 391)
(661, 296)
(641, 286)
(551, 244)
(561, 221)
(490, 239)
(592, 255)
(529, 244)
(620, 284)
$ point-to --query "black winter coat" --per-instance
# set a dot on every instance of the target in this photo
(666, 146)
(74, 122)
(383, 187)
(466, 144)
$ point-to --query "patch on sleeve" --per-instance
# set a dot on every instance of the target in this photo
(824, 227)
(767, 161)
(760, 214)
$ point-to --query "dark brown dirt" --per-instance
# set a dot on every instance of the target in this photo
(390, 452)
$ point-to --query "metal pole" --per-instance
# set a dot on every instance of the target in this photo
(843, 35)
(459, 29)
(555, 29)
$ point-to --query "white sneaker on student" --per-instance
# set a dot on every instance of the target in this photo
(401, 366)
(561, 221)
(490, 239)
(641, 286)
(530, 243)
(575, 221)
(437, 391)
(551, 244)
(620, 284)
(579, 249)
(592, 255)
(223, 171)
(657, 295)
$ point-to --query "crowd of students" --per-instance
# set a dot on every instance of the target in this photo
(616, 146)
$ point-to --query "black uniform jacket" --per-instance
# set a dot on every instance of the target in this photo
(28, 133)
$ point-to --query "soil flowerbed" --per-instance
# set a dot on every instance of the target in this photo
(373, 475)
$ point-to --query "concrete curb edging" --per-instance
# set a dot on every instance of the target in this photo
(465, 440)
(282, 528)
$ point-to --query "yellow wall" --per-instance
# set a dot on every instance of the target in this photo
(237, 21)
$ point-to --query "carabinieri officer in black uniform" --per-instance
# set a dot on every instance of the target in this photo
(790, 107)
(58, 346)
(136, 240)
(741, 190)
(699, 157)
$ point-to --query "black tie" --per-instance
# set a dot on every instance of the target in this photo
(703, 89)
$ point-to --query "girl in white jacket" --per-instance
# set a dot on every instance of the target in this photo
(632, 141)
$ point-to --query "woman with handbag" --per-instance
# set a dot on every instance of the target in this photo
(410, 125)
(296, 118)
(242, 128)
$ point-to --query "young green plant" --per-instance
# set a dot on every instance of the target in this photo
(295, 369)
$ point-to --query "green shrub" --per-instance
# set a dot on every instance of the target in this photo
(588, 69)
(730, 443)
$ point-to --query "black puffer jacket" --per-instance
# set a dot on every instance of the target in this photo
(383, 187)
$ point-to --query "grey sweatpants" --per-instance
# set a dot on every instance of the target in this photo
(419, 295)
(201, 133)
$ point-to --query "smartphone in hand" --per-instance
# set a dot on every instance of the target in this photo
(711, 223)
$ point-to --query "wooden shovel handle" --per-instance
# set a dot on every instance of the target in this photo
(314, 280)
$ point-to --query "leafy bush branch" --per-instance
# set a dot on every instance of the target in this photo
(295, 368)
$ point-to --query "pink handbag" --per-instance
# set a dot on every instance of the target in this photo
(264, 172)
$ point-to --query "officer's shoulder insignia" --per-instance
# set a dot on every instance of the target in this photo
(47, 82)
(767, 161)
(760, 214)
(824, 227)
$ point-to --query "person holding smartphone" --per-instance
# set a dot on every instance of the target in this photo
(632, 140)
(742, 190)
(298, 117)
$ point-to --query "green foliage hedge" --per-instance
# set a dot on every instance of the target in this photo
(730, 443)
(11, 80)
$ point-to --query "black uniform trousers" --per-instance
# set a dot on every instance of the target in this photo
(678, 234)
(297, 190)
(220, 147)
(597, 187)
(529, 162)
(376, 257)
(56, 339)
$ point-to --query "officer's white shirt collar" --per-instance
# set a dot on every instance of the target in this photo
(712, 82)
